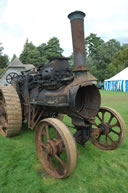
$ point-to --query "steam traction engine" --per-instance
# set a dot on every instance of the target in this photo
(40, 97)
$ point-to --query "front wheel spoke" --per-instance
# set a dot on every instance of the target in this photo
(94, 123)
(103, 117)
(111, 139)
(115, 132)
(114, 125)
(109, 121)
(106, 139)
(99, 118)
(60, 161)
(98, 138)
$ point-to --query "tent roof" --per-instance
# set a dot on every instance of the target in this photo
(123, 75)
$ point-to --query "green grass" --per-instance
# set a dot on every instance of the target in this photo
(97, 171)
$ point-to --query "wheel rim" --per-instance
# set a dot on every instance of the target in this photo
(56, 148)
(108, 129)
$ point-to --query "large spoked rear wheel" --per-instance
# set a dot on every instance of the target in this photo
(10, 112)
(109, 129)
(56, 148)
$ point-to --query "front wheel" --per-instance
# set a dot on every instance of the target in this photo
(108, 129)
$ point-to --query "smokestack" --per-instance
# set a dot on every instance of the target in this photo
(77, 28)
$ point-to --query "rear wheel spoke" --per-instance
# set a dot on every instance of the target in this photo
(47, 132)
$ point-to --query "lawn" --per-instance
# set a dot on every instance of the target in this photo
(97, 171)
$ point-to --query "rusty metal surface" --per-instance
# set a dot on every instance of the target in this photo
(54, 88)
(77, 28)
(109, 129)
(55, 148)
(10, 112)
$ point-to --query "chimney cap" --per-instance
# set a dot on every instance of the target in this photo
(76, 15)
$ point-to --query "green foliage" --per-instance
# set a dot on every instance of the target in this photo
(1, 49)
(3, 61)
(125, 46)
(3, 58)
(30, 54)
(53, 48)
(50, 50)
(2, 70)
(97, 171)
(119, 62)
(71, 61)
(41, 54)
(92, 42)
(102, 57)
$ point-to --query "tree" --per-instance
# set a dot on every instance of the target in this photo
(125, 45)
(41, 54)
(3, 58)
(92, 42)
(1, 49)
(102, 57)
(30, 54)
(50, 50)
(119, 62)
(53, 48)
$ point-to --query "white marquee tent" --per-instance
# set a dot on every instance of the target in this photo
(119, 82)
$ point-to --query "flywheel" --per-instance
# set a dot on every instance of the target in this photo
(10, 112)
(55, 147)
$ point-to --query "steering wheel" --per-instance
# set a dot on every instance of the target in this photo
(10, 77)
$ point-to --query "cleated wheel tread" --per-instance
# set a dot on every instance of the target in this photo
(10, 111)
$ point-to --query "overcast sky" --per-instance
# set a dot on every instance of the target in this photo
(40, 20)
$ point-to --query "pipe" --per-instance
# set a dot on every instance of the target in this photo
(77, 28)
